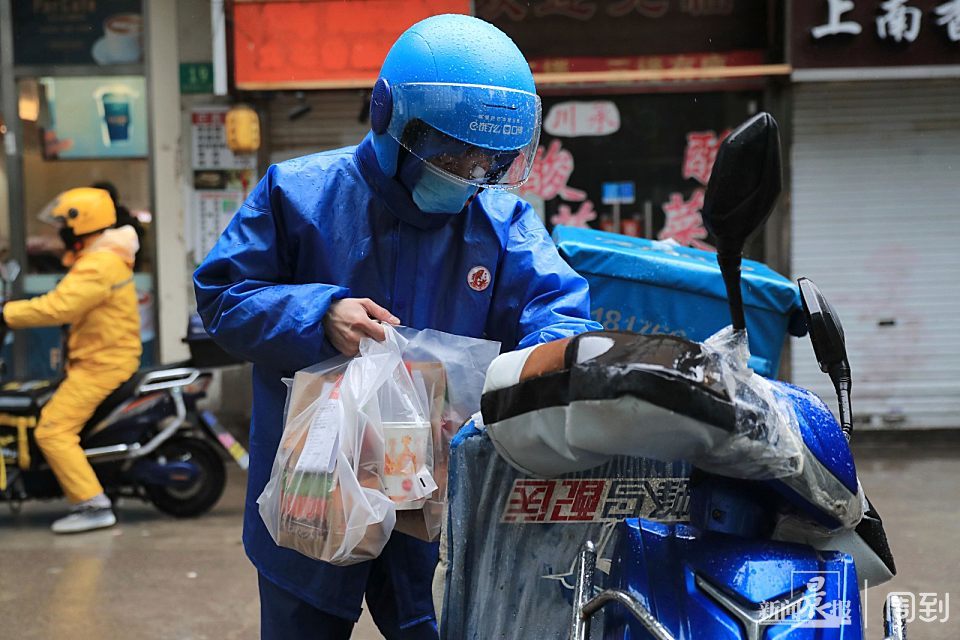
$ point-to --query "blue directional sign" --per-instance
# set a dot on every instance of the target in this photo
(618, 193)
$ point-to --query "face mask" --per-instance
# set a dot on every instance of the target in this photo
(68, 237)
(432, 191)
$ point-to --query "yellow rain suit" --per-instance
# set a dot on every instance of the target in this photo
(98, 299)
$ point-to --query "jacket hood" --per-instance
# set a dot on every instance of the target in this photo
(393, 194)
(122, 241)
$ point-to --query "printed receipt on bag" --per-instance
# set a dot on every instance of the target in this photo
(319, 453)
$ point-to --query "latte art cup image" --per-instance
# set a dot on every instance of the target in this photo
(122, 37)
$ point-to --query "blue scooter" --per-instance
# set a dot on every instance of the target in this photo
(149, 439)
(780, 536)
(723, 575)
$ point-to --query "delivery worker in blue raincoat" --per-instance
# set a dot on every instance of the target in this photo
(416, 226)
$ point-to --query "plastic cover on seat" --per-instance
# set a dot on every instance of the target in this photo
(658, 397)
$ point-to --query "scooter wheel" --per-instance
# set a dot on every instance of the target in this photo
(203, 492)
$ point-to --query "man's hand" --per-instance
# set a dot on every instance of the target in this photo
(351, 319)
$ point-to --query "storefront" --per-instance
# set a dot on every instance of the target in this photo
(874, 214)
(639, 114)
(76, 108)
(637, 97)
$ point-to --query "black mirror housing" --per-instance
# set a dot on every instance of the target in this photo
(826, 331)
(746, 181)
(745, 184)
(829, 345)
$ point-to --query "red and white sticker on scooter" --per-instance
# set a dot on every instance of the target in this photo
(555, 500)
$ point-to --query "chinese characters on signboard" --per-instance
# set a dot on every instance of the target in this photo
(875, 33)
(897, 20)
(587, 144)
(683, 221)
(577, 118)
(590, 35)
(554, 164)
(549, 179)
(584, 10)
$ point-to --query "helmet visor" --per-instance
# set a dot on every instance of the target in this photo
(53, 213)
(484, 136)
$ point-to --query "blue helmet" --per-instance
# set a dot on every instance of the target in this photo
(457, 93)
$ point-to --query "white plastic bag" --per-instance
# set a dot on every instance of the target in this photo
(366, 438)
(328, 491)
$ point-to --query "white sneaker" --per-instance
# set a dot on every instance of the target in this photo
(85, 517)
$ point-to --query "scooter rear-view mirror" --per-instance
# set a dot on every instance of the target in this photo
(829, 345)
(743, 188)
(826, 332)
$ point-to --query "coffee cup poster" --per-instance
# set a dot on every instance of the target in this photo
(94, 32)
(99, 117)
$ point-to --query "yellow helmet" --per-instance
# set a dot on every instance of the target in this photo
(83, 210)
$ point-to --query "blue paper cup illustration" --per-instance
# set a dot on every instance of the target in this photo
(115, 106)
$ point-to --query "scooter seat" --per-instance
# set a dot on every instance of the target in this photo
(126, 391)
(26, 397)
(566, 411)
(115, 399)
(572, 405)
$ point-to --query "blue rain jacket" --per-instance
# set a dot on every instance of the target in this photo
(329, 226)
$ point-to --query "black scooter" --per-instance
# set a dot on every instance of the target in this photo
(148, 439)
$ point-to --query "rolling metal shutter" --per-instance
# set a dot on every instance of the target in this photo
(333, 121)
(876, 224)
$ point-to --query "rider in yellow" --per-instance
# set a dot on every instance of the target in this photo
(97, 298)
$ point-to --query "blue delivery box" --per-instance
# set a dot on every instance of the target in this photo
(651, 286)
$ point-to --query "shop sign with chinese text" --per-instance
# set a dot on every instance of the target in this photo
(560, 36)
(649, 154)
(837, 34)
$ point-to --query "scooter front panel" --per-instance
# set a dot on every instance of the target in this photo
(821, 433)
(708, 585)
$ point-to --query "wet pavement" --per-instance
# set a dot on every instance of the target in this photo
(153, 577)
(150, 577)
(915, 488)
